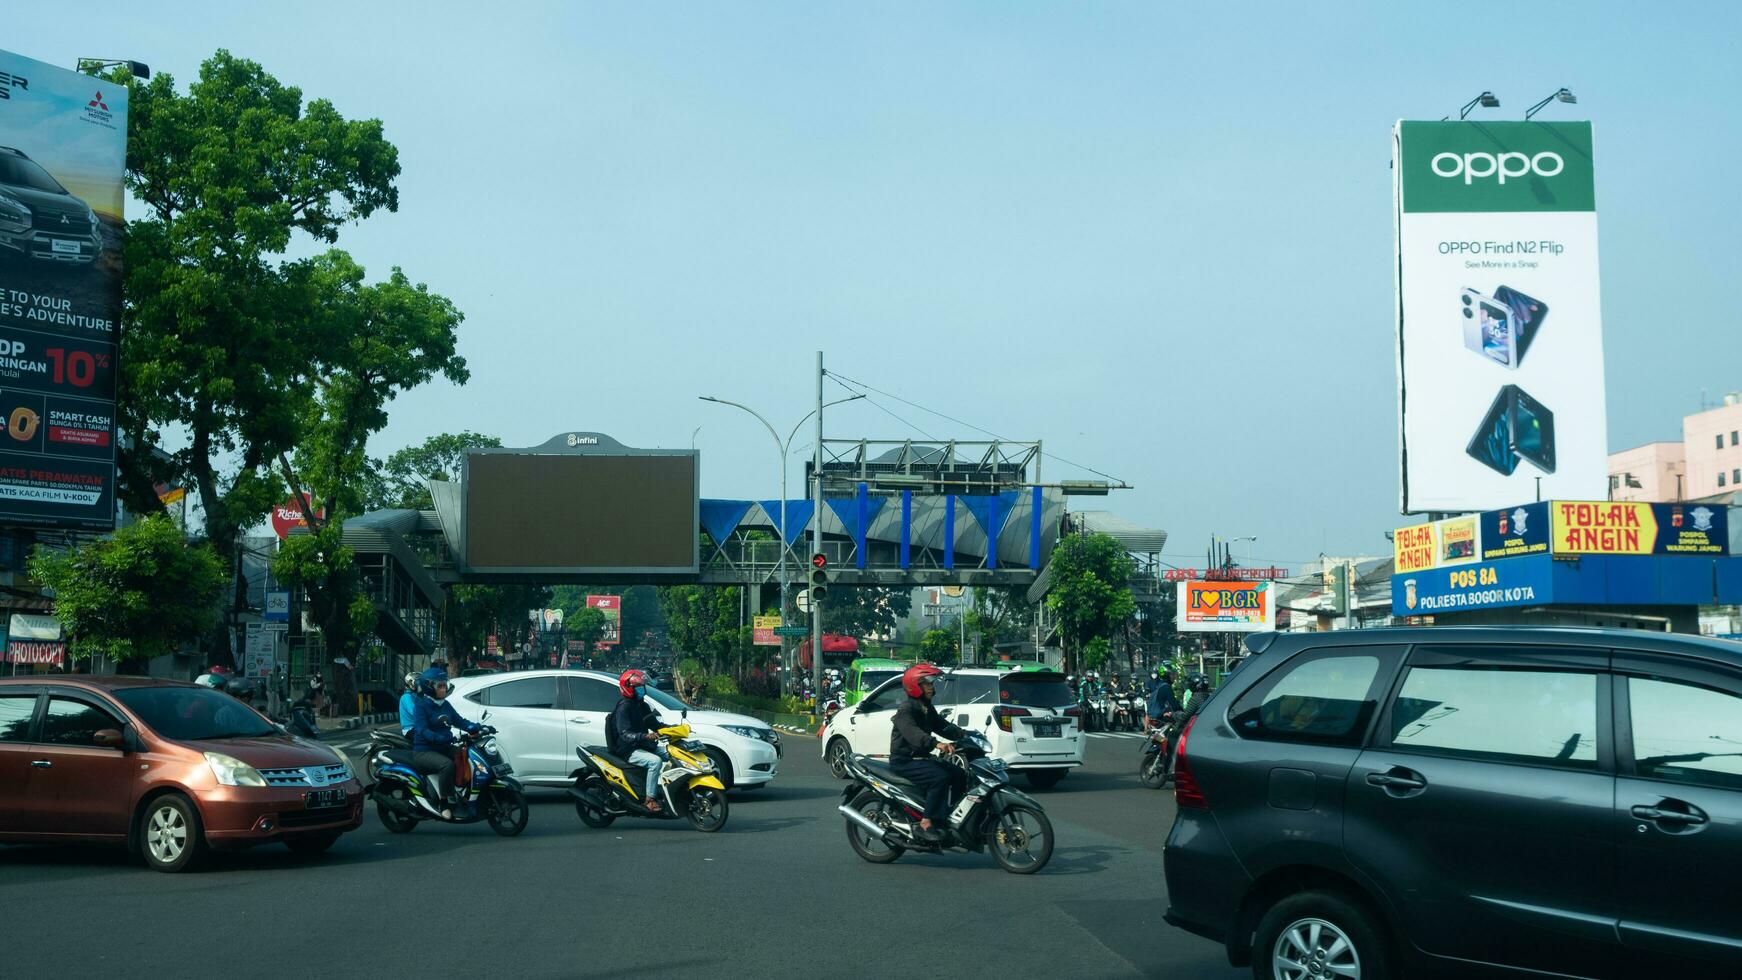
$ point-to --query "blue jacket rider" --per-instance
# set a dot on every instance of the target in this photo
(430, 738)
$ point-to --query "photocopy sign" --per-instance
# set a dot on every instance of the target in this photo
(1499, 330)
(63, 145)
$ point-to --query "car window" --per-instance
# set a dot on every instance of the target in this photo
(1537, 716)
(1686, 733)
(16, 710)
(1036, 691)
(884, 700)
(869, 679)
(1326, 695)
(20, 172)
(190, 712)
(966, 689)
(529, 692)
(589, 694)
(71, 722)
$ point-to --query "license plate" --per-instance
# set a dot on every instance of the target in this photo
(1046, 731)
(63, 246)
(322, 798)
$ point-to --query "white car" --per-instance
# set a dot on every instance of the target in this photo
(543, 716)
(1030, 717)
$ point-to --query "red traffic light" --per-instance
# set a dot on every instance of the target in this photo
(819, 560)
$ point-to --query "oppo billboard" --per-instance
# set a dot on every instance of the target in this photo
(1499, 326)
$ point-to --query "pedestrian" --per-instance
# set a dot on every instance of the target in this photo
(316, 692)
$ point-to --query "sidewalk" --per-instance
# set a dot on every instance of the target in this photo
(356, 721)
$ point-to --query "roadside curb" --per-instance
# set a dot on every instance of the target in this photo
(361, 721)
(795, 730)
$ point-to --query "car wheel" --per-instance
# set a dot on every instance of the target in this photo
(1044, 778)
(722, 765)
(1320, 934)
(839, 753)
(170, 835)
(311, 846)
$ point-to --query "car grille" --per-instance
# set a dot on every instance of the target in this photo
(66, 224)
(306, 776)
(311, 818)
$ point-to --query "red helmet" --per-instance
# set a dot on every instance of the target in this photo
(629, 680)
(911, 677)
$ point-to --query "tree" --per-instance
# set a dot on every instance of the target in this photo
(866, 610)
(702, 621)
(398, 481)
(1001, 614)
(471, 612)
(586, 625)
(640, 612)
(1091, 591)
(939, 646)
(137, 594)
(215, 341)
(379, 340)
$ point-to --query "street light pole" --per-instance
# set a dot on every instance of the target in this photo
(817, 539)
(783, 448)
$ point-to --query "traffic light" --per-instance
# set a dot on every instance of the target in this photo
(1337, 584)
(820, 577)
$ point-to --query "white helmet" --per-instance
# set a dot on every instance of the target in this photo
(411, 681)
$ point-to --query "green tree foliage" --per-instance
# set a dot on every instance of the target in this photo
(586, 625)
(139, 593)
(640, 613)
(1000, 615)
(221, 338)
(866, 610)
(473, 612)
(702, 621)
(398, 481)
(380, 339)
(1091, 592)
(940, 646)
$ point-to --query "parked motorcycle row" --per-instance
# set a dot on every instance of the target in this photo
(1109, 706)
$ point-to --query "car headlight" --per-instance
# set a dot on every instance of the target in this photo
(759, 734)
(13, 211)
(230, 771)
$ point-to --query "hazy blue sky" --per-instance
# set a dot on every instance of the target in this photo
(1156, 236)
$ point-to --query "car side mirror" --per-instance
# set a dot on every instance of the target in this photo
(106, 738)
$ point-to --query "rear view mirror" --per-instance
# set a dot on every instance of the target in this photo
(106, 738)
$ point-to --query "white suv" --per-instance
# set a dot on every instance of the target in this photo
(542, 716)
(1030, 717)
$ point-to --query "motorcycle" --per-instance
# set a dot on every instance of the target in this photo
(1124, 713)
(1155, 769)
(1102, 710)
(484, 789)
(382, 742)
(609, 787)
(883, 811)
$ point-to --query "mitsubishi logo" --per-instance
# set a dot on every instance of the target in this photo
(97, 103)
(64, 221)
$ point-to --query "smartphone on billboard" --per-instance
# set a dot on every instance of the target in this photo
(1526, 314)
(1532, 430)
(1488, 328)
(1492, 444)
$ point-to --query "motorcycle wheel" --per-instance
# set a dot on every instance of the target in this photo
(506, 812)
(1021, 840)
(592, 816)
(393, 820)
(872, 849)
(708, 809)
(1152, 771)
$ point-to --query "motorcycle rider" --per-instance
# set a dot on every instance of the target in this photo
(632, 729)
(911, 742)
(1162, 702)
(431, 742)
(1197, 692)
(408, 705)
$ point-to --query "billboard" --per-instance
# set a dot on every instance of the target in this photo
(63, 146)
(612, 607)
(1226, 607)
(1515, 533)
(763, 628)
(1437, 544)
(1484, 585)
(1499, 329)
(582, 503)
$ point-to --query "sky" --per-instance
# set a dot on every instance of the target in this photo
(1156, 236)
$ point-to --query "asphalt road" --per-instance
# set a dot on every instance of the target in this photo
(776, 894)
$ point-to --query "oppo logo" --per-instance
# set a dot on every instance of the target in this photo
(1475, 166)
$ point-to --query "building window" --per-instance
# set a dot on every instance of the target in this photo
(1720, 478)
(1736, 477)
(1732, 437)
(1720, 440)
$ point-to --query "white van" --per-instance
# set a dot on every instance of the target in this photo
(1030, 717)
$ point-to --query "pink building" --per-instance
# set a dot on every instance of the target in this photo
(1712, 441)
(1653, 472)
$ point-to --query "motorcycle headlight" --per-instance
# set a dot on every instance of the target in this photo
(230, 771)
(490, 746)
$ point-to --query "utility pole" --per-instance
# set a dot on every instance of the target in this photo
(817, 540)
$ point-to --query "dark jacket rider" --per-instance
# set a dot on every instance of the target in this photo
(911, 743)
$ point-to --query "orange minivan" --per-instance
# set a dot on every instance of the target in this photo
(166, 768)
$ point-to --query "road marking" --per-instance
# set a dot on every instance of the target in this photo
(1116, 735)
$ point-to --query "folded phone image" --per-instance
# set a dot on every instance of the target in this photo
(1515, 427)
(1488, 328)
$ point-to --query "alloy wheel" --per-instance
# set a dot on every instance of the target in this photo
(1310, 949)
(166, 835)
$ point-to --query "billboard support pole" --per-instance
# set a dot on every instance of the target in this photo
(817, 540)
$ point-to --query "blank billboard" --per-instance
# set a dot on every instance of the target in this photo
(535, 512)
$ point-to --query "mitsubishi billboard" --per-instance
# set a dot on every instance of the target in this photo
(63, 150)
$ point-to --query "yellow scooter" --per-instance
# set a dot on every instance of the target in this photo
(609, 787)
